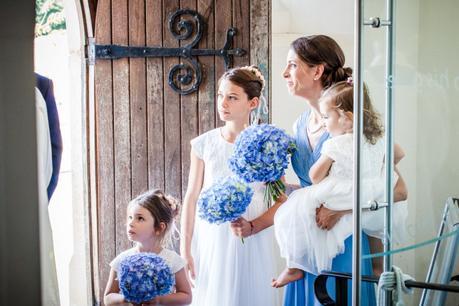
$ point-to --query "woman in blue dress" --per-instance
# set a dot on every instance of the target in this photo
(313, 64)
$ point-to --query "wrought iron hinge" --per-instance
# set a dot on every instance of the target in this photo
(181, 76)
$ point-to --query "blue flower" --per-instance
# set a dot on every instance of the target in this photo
(144, 276)
(226, 200)
(261, 153)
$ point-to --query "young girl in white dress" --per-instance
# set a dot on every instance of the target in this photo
(225, 271)
(305, 246)
(150, 219)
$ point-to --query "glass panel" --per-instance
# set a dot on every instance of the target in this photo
(293, 19)
(426, 90)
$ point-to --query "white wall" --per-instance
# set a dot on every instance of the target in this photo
(426, 96)
(292, 19)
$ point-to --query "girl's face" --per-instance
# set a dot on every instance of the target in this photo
(140, 225)
(335, 121)
(233, 103)
(302, 80)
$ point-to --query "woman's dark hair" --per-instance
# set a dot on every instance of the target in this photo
(321, 49)
(249, 78)
(341, 95)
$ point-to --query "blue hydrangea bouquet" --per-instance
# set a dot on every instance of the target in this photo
(226, 200)
(261, 153)
(144, 276)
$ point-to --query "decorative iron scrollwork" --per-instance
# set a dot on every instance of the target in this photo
(185, 77)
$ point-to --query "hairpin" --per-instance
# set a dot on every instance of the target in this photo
(350, 81)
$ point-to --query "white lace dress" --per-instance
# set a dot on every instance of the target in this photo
(301, 241)
(228, 272)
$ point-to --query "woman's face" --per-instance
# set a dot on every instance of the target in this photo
(302, 80)
(233, 102)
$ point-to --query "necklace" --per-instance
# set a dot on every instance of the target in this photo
(314, 131)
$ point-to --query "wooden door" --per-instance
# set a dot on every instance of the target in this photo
(142, 126)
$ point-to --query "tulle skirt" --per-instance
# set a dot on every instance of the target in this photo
(307, 247)
(302, 243)
(232, 273)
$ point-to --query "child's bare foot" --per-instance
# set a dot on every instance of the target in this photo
(287, 276)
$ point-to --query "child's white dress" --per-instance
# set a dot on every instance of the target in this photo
(228, 272)
(172, 259)
(301, 241)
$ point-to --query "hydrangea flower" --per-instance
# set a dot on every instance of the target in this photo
(144, 276)
(261, 153)
(226, 200)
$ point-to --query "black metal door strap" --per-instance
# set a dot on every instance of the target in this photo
(181, 76)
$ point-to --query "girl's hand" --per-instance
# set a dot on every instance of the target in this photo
(327, 218)
(241, 227)
(189, 268)
(155, 301)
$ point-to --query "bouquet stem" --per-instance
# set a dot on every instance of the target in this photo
(273, 191)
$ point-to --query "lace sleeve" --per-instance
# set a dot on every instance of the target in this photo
(197, 145)
(175, 262)
(330, 149)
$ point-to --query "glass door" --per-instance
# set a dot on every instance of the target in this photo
(422, 120)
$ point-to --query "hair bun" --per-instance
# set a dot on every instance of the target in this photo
(257, 72)
(174, 205)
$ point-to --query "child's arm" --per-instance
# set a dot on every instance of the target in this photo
(398, 153)
(320, 169)
(195, 180)
(243, 228)
(182, 295)
(400, 189)
(111, 294)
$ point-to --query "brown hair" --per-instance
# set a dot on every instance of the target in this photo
(341, 95)
(321, 49)
(249, 78)
(162, 207)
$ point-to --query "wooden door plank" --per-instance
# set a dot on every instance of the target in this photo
(189, 114)
(206, 94)
(241, 20)
(223, 21)
(260, 41)
(155, 97)
(104, 154)
(172, 160)
(121, 119)
(139, 155)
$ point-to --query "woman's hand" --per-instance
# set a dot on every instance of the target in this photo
(327, 218)
(241, 227)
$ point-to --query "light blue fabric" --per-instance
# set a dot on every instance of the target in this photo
(301, 292)
(304, 157)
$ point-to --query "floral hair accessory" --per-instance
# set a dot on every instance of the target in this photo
(257, 73)
(350, 81)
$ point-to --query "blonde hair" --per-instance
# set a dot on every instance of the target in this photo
(341, 95)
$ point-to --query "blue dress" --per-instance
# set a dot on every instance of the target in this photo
(301, 292)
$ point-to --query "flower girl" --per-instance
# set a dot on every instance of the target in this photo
(305, 246)
(225, 271)
(150, 218)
